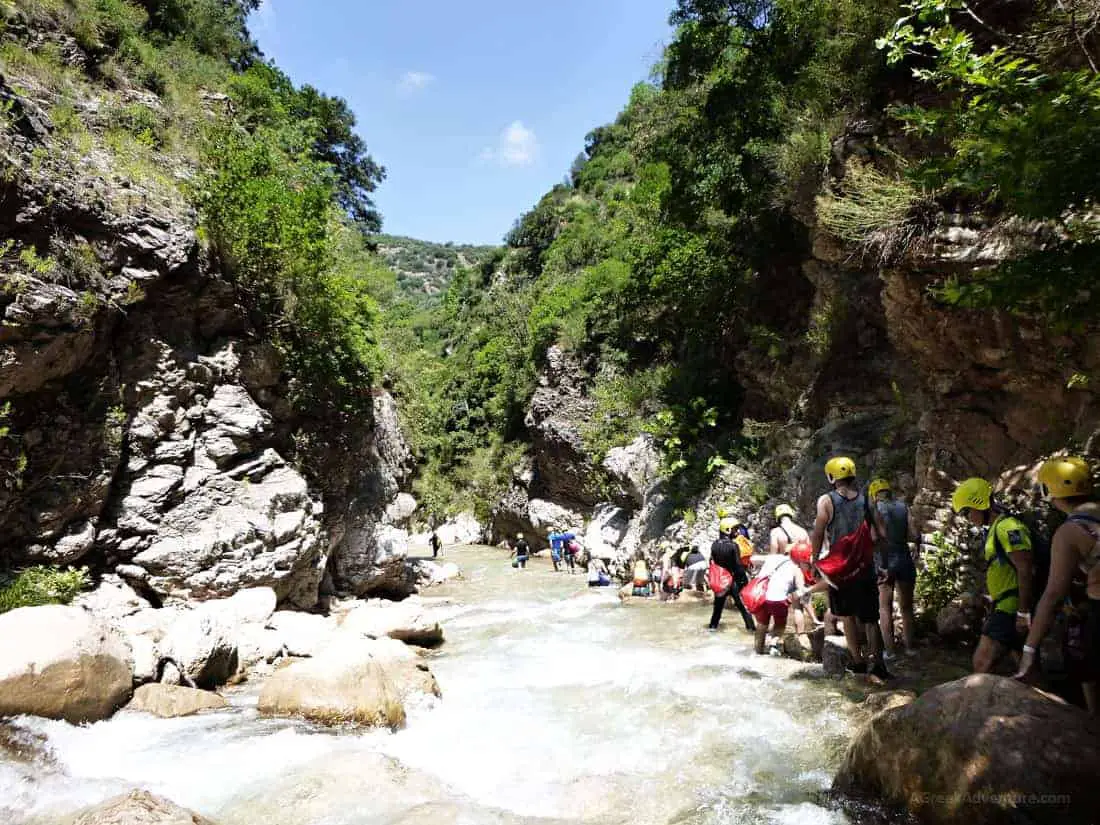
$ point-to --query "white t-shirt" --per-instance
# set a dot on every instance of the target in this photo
(781, 572)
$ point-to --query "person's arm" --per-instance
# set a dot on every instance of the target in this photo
(799, 585)
(773, 543)
(1063, 564)
(1025, 568)
(821, 522)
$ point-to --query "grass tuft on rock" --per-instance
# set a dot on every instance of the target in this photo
(36, 586)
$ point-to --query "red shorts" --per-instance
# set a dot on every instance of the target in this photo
(772, 610)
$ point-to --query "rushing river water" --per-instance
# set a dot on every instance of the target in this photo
(559, 705)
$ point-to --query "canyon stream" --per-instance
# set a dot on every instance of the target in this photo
(560, 705)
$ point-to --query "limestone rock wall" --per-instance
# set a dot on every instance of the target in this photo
(146, 424)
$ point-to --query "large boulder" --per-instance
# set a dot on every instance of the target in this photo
(140, 808)
(635, 468)
(173, 701)
(400, 510)
(408, 673)
(404, 621)
(200, 645)
(372, 562)
(301, 634)
(980, 750)
(606, 531)
(546, 516)
(62, 663)
(343, 684)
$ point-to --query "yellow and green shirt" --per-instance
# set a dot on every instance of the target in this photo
(1000, 576)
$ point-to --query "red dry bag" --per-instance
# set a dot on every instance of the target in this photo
(755, 593)
(719, 578)
(849, 557)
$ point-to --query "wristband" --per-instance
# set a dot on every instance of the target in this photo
(1029, 649)
(1023, 615)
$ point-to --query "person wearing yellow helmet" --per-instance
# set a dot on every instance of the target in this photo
(1067, 482)
(897, 570)
(726, 553)
(1008, 575)
(840, 514)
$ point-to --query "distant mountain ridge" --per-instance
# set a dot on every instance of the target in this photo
(426, 268)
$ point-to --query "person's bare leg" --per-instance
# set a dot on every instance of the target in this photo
(761, 633)
(874, 642)
(908, 619)
(1092, 700)
(778, 629)
(886, 616)
(852, 637)
(987, 654)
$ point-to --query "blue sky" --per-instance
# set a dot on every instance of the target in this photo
(475, 108)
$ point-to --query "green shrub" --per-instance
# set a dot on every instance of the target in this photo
(35, 586)
(937, 584)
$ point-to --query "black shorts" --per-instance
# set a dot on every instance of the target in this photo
(901, 568)
(857, 599)
(1001, 627)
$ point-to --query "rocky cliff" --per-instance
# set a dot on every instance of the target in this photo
(148, 428)
(915, 390)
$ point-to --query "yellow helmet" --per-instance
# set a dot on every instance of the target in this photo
(837, 469)
(879, 485)
(976, 493)
(784, 510)
(1066, 477)
(728, 525)
(519, 536)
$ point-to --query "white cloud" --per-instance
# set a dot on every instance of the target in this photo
(412, 82)
(518, 146)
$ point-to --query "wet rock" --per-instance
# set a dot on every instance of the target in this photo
(173, 701)
(404, 621)
(805, 647)
(979, 750)
(461, 529)
(140, 808)
(888, 700)
(834, 655)
(20, 745)
(372, 561)
(432, 574)
(344, 684)
(62, 663)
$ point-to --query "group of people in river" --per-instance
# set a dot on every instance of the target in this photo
(857, 554)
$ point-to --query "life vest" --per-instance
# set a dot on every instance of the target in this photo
(746, 548)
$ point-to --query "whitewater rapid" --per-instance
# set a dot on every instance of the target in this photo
(559, 705)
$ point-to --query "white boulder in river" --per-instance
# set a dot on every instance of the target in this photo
(344, 683)
(140, 808)
(62, 663)
(404, 621)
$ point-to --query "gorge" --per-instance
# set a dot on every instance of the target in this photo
(231, 410)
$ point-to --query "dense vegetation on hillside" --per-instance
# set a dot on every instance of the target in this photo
(424, 269)
(170, 101)
(674, 252)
